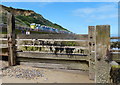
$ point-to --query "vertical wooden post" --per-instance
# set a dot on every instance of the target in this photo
(91, 45)
(101, 59)
(11, 39)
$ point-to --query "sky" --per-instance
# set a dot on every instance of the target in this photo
(75, 16)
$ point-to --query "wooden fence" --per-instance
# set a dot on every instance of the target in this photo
(90, 52)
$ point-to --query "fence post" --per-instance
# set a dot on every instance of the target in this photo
(91, 45)
(11, 39)
(102, 67)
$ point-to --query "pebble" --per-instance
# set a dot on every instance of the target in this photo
(46, 79)
(26, 73)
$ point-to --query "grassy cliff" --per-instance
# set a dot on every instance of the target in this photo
(25, 17)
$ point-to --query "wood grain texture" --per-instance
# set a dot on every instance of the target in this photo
(11, 39)
(91, 45)
(102, 67)
(59, 56)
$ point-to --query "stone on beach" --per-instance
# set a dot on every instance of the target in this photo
(20, 72)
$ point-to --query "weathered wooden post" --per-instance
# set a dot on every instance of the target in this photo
(102, 67)
(91, 45)
(11, 39)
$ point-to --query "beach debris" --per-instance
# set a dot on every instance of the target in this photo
(21, 72)
(46, 79)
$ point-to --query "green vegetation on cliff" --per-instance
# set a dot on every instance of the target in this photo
(26, 17)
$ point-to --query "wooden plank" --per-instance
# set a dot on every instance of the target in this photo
(78, 47)
(114, 50)
(56, 61)
(52, 56)
(11, 39)
(3, 35)
(46, 40)
(114, 37)
(4, 49)
(76, 43)
(64, 53)
(56, 65)
(22, 41)
(3, 39)
(52, 40)
(3, 42)
(116, 56)
(3, 45)
(3, 54)
(91, 44)
(102, 66)
(53, 36)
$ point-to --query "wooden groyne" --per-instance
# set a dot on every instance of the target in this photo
(89, 52)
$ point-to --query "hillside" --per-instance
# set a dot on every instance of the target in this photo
(26, 17)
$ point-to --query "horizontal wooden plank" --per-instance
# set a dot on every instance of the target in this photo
(78, 47)
(116, 56)
(3, 45)
(20, 37)
(80, 40)
(55, 61)
(115, 38)
(76, 43)
(3, 39)
(115, 50)
(3, 51)
(3, 35)
(59, 56)
(53, 36)
(83, 43)
(48, 51)
(4, 54)
(68, 66)
(50, 36)
(51, 40)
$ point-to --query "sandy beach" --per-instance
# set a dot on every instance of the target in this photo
(22, 74)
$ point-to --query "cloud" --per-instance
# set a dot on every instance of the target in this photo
(101, 12)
